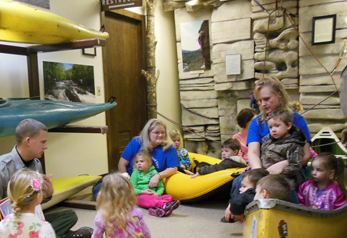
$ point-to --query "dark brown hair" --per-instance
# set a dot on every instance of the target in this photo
(255, 175)
(233, 144)
(244, 116)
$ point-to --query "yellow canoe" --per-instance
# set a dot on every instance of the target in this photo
(183, 187)
(66, 187)
(270, 218)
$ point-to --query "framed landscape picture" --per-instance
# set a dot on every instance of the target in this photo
(69, 82)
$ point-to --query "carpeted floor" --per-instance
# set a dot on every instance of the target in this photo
(200, 219)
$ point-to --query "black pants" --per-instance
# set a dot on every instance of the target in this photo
(61, 221)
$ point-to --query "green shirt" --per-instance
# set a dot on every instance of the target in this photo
(140, 181)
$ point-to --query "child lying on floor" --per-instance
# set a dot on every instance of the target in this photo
(230, 149)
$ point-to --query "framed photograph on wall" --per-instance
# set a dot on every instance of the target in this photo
(323, 29)
(89, 51)
(69, 82)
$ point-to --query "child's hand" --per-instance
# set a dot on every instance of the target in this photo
(228, 214)
(195, 175)
(278, 167)
(188, 172)
(148, 192)
(183, 166)
(239, 218)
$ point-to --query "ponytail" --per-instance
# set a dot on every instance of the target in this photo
(339, 176)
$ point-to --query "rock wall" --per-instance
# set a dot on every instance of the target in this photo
(211, 99)
(315, 83)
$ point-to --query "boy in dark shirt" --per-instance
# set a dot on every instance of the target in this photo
(238, 202)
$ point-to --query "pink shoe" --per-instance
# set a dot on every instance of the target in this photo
(156, 211)
(170, 206)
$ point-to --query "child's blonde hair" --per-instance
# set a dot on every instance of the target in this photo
(332, 162)
(174, 134)
(145, 155)
(116, 200)
(297, 106)
(276, 186)
(144, 135)
(23, 187)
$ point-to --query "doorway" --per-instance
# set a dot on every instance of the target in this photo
(123, 59)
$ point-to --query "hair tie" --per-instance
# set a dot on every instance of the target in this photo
(36, 184)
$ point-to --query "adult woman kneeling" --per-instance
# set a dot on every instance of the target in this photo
(153, 138)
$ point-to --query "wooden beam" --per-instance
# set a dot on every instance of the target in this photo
(80, 129)
(14, 50)
(79, 44)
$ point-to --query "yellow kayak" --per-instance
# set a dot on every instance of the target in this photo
(271, 218)
(183, 187)
(66, 187)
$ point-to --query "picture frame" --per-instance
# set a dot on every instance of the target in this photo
(323, 29)
(89, 51)
(233, 64)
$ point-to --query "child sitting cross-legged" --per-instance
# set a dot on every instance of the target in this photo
(159, 205)
(117, 215)
(326, 190)
(238, 202)
(25, 193)
(273, 186)
(230, 149)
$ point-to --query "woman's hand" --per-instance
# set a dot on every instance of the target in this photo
(278, 167)
(153, 182)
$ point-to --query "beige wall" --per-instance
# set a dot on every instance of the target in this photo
(74, 154)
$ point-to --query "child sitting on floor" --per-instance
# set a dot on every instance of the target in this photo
(326, 190)
(117, 215)
(238, 202)
(159, 205)
(273, 186)
(185, 162)
(25, 193)
(230, 149)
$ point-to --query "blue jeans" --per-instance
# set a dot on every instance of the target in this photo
(96, 189)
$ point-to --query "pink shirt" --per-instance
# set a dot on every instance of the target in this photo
(136, 227)
(329, 198)
(242, 138)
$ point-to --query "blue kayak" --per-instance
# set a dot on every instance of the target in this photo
(51, 113)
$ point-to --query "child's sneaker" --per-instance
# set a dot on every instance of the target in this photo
(170, 206)
(156, 211)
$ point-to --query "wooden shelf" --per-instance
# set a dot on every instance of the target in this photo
(80, 129)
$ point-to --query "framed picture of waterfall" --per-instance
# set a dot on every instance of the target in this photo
(69, 82)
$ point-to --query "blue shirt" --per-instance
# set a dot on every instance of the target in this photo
(258, 130)
(161, 159)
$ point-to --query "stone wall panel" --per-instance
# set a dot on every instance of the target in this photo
(231, 10)
(230, 31)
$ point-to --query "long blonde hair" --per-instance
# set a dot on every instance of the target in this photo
(20, 189)
(144, 135)
(277, 88)
(116, 200)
